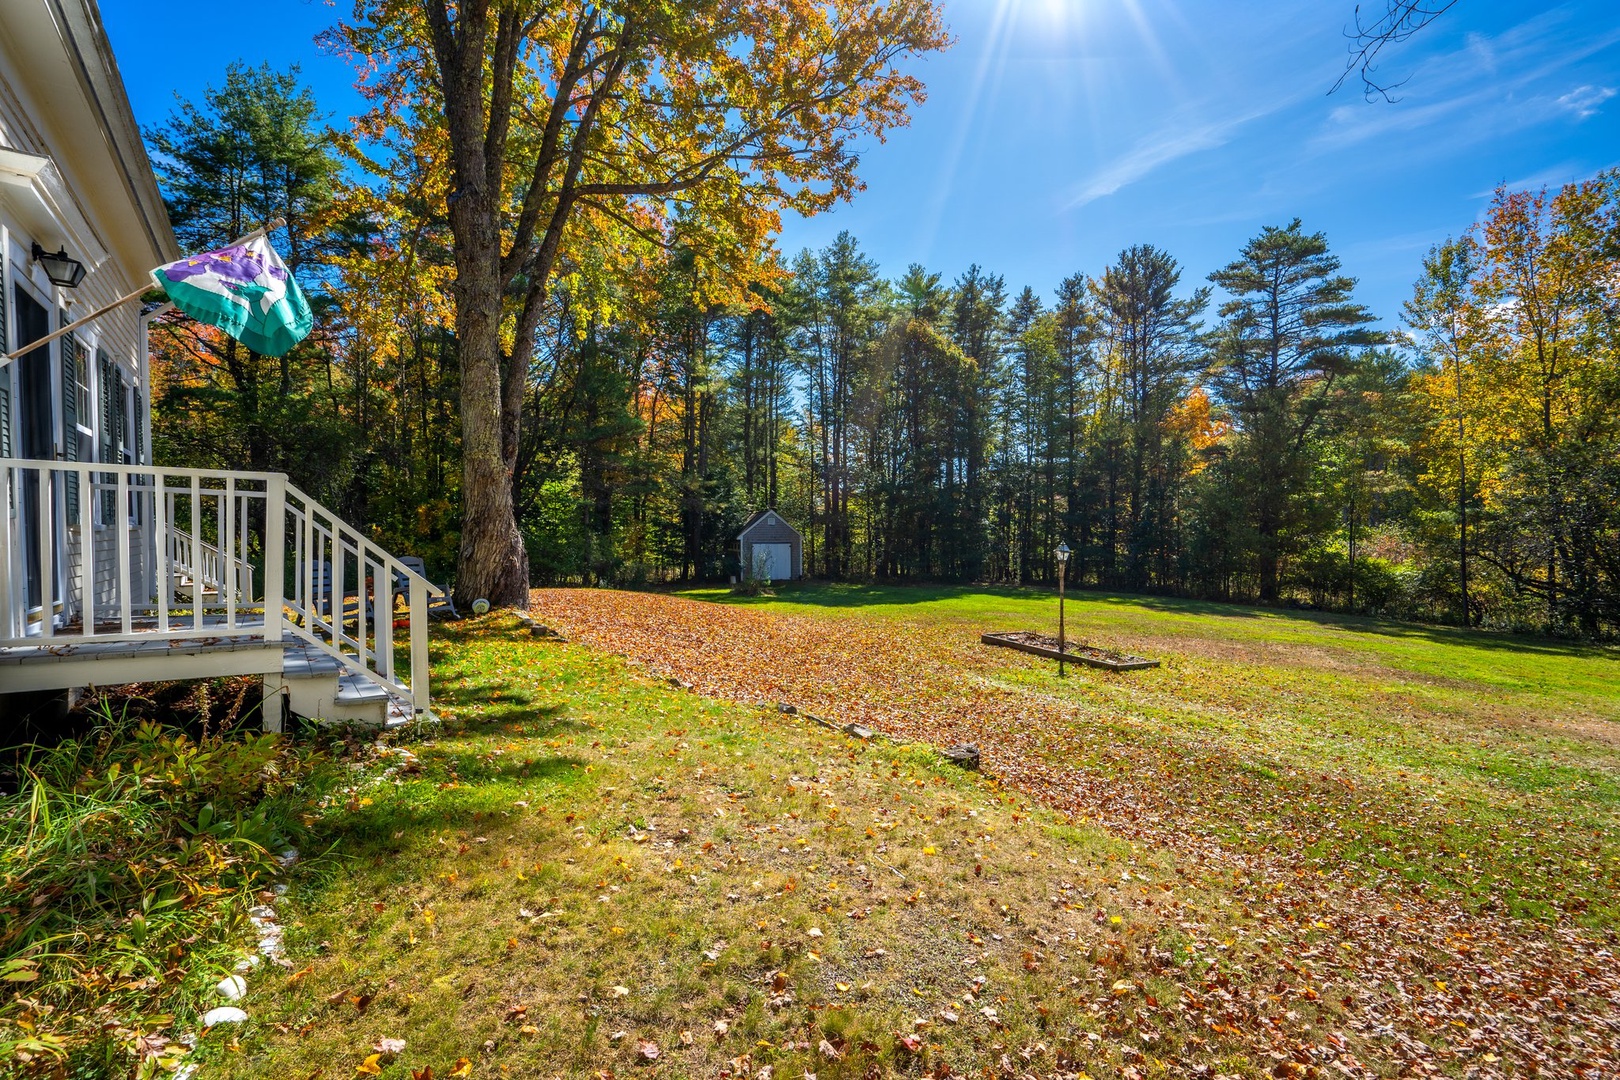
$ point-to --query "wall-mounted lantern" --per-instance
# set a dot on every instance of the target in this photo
(60, 268)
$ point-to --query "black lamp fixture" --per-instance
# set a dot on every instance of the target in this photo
(60, 268)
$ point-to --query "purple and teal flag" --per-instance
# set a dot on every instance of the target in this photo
(245, 290)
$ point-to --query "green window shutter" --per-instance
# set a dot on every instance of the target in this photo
(105, 429)
(104, 433)
(5, 372)
(70, 352)
(140, 431)
(70, 396)
(120, 416)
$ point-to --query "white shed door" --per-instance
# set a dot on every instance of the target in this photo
(773, 562)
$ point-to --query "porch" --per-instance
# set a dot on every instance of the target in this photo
(134, 573)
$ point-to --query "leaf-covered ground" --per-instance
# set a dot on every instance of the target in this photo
(1416, 827)
(589, 872)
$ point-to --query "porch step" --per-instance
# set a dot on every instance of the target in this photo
(355, 689)
(319, 687)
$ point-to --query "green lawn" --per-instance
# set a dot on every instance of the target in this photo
(1304, 842)
(595, 860)
(1499, 734)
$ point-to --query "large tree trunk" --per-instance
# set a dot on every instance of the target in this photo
(493, 563)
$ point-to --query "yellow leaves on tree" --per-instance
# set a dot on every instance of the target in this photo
(580, 143)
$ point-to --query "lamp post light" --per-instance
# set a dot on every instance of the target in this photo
(1063, 567)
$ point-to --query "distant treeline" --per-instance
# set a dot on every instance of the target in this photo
(1249, 436)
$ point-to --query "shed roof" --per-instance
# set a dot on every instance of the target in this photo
(760, 515)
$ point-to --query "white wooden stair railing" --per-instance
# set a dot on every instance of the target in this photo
(209, 568)
(123, 585)
(326, 552)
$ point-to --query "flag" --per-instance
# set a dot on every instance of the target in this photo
(245, 290)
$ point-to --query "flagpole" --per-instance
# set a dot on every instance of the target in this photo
(269, 226)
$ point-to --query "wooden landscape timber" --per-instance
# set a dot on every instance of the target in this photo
(1024, 641)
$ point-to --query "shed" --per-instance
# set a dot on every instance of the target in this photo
(770, 548)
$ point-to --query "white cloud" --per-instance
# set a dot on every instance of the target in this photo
(1477, 92)
(1171, 142)
(1585, 101)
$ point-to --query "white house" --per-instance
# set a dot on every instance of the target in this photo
(113, 570)
(770, 549)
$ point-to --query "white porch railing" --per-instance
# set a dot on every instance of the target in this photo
(206, 563)
(81, 561)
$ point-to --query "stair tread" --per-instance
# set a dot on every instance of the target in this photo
(354, 689)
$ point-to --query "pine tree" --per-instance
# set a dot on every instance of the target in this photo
(1289, 331)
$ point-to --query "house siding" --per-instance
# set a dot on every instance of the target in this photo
(42, 122)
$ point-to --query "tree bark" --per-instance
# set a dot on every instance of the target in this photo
(493, 563)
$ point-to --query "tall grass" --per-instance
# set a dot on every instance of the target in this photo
(128, 861)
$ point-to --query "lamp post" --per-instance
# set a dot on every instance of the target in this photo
(1063, 567)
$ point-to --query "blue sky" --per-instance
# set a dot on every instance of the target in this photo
(1057, 132)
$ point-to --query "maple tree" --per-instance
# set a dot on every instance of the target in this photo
(1518, 329)
(729, 111)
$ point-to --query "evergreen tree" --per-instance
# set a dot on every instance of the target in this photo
(1152, 340)
(249, 151)
(1289, 331)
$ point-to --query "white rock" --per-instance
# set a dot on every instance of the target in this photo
(232, 988)
(247, 964)
(186, 1072)
(262, 911)
(225, 1014)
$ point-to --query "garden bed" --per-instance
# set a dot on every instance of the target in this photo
(1043, 645)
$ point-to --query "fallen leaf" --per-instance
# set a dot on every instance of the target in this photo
(369, 1067)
